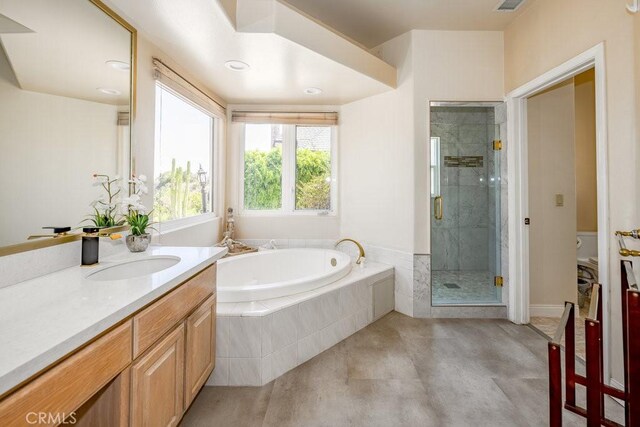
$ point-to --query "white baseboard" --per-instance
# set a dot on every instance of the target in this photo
(546, 310)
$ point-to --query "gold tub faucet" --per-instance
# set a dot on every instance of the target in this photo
(361, 255)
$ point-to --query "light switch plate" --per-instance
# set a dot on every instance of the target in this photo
(559, 199)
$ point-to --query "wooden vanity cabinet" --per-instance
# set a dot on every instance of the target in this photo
(144, 372)
(168, 374)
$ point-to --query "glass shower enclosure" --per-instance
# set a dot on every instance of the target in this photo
(465, 204)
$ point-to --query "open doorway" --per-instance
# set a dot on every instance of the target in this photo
(563, 201)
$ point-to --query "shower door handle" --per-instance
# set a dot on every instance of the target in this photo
(437, 207)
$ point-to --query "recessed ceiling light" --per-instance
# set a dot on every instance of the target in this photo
(313, 91)
(108, 91)
(237, 65)
(118, 65)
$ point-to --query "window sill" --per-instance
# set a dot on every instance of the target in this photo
(182, 223)
(318, 214)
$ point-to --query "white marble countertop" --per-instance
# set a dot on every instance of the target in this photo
(43, 319)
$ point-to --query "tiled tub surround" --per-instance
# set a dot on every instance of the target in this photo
(412, 276)
(257, 342)
(404, 264)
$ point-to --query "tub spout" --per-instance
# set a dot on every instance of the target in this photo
(361, 255)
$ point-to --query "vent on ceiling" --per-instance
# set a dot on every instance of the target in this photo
(509, 5)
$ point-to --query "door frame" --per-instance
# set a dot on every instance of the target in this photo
(518, 185)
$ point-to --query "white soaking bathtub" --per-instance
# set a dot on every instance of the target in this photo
(276, 273)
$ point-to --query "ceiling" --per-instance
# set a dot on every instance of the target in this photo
(373, 22)
(201, 38)
(66, 49)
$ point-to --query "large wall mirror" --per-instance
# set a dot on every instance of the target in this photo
(66, 100)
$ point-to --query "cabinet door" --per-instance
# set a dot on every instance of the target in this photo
(157, 383)
(201, 344)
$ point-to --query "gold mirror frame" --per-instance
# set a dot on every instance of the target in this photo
(53, 241)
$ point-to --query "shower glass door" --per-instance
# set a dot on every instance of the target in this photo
(465, 200)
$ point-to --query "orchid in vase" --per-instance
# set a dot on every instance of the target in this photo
(136, 216)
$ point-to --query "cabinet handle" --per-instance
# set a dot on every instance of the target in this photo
(437, 207)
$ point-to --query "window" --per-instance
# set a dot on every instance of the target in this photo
(435, 166)
(263, 167)
(288, 168)
(183, 181)
(313, 168)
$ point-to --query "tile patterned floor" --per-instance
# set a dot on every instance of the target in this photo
(401, 371)
(549, 325)
(473, 287)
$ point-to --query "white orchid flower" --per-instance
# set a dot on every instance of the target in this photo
(142, 189)
(142, 178)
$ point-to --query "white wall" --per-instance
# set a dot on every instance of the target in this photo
(376, 160)
(552, 236)
(51, 146)
(385, 138)
(143, 150)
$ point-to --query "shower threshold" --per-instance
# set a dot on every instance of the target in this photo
(464, 288)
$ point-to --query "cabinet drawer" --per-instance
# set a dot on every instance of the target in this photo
(154, 321)
(200, 357)
(65, 387)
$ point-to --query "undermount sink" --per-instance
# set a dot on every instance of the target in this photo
(134, 268)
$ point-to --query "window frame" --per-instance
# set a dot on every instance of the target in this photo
(289, 145)
(216, 136)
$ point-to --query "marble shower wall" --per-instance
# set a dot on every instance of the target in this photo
(465, 239)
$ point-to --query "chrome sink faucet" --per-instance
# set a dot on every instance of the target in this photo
(361, 255)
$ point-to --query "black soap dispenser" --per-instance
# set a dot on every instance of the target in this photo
(90, 245)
